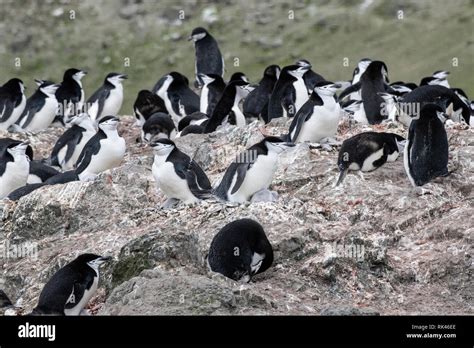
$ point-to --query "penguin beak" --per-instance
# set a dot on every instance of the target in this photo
(190, 38)
(105, 258)
(124, 77)
(336, 85)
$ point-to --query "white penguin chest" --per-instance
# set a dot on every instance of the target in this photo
(322, 124)
(15, 175)
(169, 182)
(16, 113)
(111, 153)
(301, 93)
(204, 101)
(257, 178)
(113, 103)
(45, 116)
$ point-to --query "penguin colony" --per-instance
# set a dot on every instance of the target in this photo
(91, 143)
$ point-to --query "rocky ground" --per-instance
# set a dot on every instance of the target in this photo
(375, 245)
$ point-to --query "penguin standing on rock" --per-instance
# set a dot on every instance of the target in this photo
(372, 82)
(104, 151)
(70, 95)
(179, 99)
(70, 144)
(70, 289)
(209, 59)
(107, 100)
(256, 103)
(227, 109)
(319, 117)
(40, 108)
(147, 104)
(12, 102)
(159, 125)
(368, 151)
(289, 93)
(426, 151)
(14, 166)
(240, 250)
(252, 172)
(211, 92)
(177, 175)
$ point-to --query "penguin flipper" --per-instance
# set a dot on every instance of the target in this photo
(241, 172)
(7, 107)
(381, 161)
(288, 103)
(349, 90)
(303, 115)
(91, 148)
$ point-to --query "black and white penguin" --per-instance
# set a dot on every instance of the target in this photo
(240, 250)
(40, 172)
(70, 289)
(196, 118)
(191, 129)
(107, 100)
(289, 93)
(209, 59)
(368, 151)
(14, 166)
(179, 99)
(252, 171)
(212, 88)
(147, 104)
(256, 103)
(12, 102)
(372, 82)
(239, 76)
(439, 77)
(319, 117)
(40, 108)
(434, 94)
(104, 151)
(70, 144)
(177, 175)
(70, 95)
(426, 151)
(310, 77)
(227, 108)
(159, 125)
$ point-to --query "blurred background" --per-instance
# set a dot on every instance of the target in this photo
(147, 39)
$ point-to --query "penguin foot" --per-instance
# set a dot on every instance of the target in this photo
(170, 203)
(264, 196)
(87, 177)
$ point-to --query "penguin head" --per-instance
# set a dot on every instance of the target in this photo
(440, 74)
(18, 149)
(431, 110)
(239, 76)
(272, 71)
(242, 88)
(326, 88)
(363, 64)
(376, 69)
(83, 120)
(74, 74)
(207, 78)
(353, 106)
(276, 144)
(303, 63)
(108, 123)
(159, 125)
(296, 71)
(177, 78)
(435, 81)
(163, 147)
(197, 34)
(115, 78)
(388, 97)
(92, 260)
(14, 86)
(47, 87)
